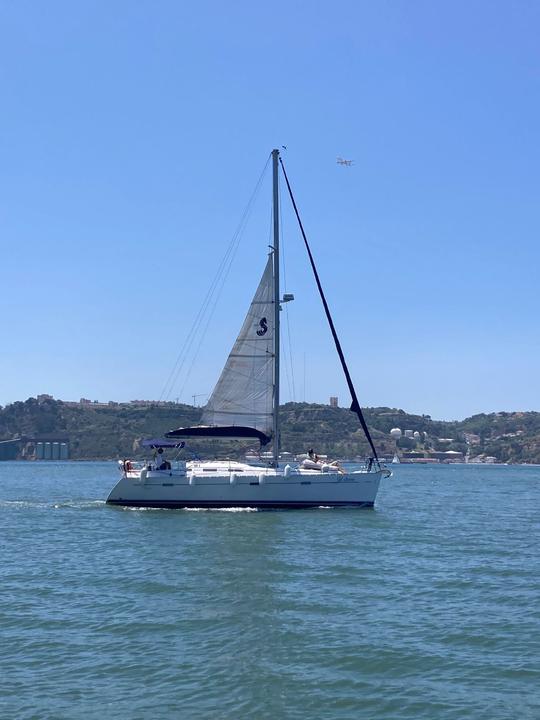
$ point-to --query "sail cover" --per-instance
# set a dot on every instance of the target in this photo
(243, 395)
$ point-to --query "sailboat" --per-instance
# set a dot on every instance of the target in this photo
(245, 405)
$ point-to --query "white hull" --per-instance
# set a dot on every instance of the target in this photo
(215, 485)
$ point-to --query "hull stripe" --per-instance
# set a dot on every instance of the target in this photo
(178, 504)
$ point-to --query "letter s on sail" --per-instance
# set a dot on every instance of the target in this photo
(263, 327)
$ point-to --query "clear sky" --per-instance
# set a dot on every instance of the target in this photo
(132, 135)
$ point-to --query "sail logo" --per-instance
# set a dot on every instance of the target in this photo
(263, 327)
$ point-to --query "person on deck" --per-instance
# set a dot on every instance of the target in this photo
(161, 463)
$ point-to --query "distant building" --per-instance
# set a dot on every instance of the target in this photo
(447, 456)
(43, 397)
(333, 401)
(395, 433)
(45, 446)
(417, 458)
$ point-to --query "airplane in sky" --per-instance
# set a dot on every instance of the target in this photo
(341, 161)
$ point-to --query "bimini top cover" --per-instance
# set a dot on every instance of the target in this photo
(222, 432)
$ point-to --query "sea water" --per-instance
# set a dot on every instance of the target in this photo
(427, 606)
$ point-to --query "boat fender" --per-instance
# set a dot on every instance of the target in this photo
(192, 479)
(144, 473)
(262, 479)
(232, 478)
(287, 470)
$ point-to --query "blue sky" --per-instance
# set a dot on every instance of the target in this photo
(132, 135)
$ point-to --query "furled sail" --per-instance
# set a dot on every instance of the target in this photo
(243, 395)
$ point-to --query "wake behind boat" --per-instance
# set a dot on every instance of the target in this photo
(245, 405)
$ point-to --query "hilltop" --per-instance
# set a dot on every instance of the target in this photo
(103, 431)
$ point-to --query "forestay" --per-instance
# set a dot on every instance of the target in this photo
(244, 392)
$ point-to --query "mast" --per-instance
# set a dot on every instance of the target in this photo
(275, 187)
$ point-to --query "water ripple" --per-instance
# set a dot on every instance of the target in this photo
(426, 607)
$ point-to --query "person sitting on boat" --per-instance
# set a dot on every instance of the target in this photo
(313, 455)
(161, 463)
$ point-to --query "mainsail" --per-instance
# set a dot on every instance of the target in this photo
(243, 395)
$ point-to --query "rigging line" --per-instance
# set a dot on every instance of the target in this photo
(304, 400)
(215, 286)
(211, 314)
(270, 241)
(182, 356)
(173, 377)
(286, 304)
(284, 364)
(355, 405)
(209, 319)
(270, 228)
(187, 344)
(205, 329)
(197, 329)
(287, 316)
(199, 318)
(194, 328)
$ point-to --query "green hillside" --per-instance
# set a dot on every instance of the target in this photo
(112, 431)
